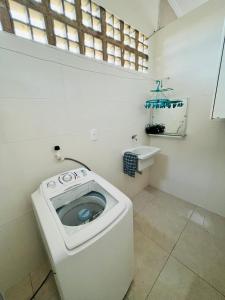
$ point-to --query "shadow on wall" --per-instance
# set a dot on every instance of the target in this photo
(160, 168)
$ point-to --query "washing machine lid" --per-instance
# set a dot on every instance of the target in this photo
(75, 236)
(93, 229)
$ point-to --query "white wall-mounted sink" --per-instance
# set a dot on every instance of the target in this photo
(145, 155)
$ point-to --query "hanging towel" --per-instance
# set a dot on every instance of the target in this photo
(130, 163)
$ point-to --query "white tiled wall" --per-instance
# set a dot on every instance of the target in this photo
(49, 97)
(188, 51)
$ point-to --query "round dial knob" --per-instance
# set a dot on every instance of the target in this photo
(51, 184)
(67, 177)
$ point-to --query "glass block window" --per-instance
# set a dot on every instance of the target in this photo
(66, 37)
(64, 7)
(129, 60)
(113, 27)
(79, 27)
(91, 15)
(114, 54)
(142, 64)
(28, 23)
(18, 12)
(142, 43)
(129, 36)
(93, 47)
(36, 19)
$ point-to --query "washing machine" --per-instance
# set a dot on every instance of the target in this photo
(87, 228)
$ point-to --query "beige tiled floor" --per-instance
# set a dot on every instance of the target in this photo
(194, 242)
(178, 282)
(179, 253)
(25, 289)
(149, 260)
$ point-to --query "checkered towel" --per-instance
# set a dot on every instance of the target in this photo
(130, 163)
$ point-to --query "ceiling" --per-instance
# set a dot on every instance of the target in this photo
(144, 14)
(141, 14)
(182, 7)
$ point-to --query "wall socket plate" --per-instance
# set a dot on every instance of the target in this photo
(94, 134)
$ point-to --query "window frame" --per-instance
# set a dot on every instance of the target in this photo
(50, 15)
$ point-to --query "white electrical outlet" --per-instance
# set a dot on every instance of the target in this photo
(94, 134)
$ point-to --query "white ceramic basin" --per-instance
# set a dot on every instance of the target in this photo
(145, 155)
(144, 152)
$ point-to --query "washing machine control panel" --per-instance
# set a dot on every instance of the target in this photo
(67, 177)
(51, 184)
(58, 183)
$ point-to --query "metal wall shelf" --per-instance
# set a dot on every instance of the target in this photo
(169, 135)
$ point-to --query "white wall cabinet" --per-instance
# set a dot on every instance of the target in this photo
(218, 109)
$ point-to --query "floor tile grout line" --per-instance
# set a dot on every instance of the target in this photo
(182, 231)
(194, 272)
(158, 276)
(150, 239)
(170, 253)
(160, 246)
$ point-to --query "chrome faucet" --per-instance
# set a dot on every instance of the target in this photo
(134, 137)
